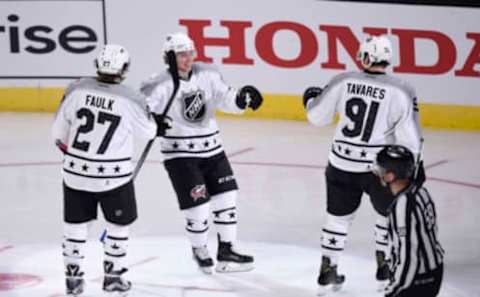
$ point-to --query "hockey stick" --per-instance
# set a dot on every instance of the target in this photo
(172, 67)
(418, 161)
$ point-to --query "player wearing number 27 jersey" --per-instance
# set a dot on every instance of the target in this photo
(94, 127)
(97, 121)
(375, 109)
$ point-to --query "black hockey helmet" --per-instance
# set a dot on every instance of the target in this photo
(396, 159)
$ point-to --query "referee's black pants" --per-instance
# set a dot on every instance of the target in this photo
(424, 285)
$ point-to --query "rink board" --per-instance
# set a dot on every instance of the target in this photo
(276, 106)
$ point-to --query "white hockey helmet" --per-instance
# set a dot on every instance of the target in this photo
(113, 60)
(377, 49)
(178, 42)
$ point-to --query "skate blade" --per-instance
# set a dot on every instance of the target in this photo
(226, 267)
(116, 294)
(382, 285)
(337, 287)
(324, 290)
(74, 294)
(206, 270)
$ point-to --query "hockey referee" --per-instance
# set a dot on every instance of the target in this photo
(416, 255)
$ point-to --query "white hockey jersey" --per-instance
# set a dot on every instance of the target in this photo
(374, 110)
(97, 122)
(194, 131)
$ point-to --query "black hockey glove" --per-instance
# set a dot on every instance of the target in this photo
(163, 124)
(249, 96)
(311, 93)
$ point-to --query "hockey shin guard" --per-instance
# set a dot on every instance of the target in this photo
(197, 224)
(225, 215)
(334, 236)
(382, 254)
(381, 234)
(74, 239)
(115, 245)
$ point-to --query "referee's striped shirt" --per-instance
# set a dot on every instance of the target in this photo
(413, 238)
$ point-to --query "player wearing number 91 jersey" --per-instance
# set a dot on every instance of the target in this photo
(94, 128)
(375, 109)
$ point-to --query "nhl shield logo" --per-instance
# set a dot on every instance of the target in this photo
(194, 106)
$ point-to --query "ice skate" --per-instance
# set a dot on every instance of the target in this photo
(113, 283)
(329, 278)
(203, 259)
(74, 280)
(229, 260)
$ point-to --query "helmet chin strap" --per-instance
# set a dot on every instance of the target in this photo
(184, 74)
(366, 62)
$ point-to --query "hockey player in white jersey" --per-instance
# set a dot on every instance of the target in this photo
(375, 109)
(192, 148)
(417, 256)
(94, 127)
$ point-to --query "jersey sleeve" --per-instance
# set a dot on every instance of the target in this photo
(62, 120)
(142, 122)
(157, 91)
(407, 129)
(223, 94)
(321, 110)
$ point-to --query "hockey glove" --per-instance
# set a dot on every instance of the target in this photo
(163, 124)
(311, 93)
(249, 96)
